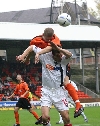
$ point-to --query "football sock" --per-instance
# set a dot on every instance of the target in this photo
(17, 117)
(60, 118)
(47, 124)
(72, 92)
(35, 115)
(83, 115)
(68, 125)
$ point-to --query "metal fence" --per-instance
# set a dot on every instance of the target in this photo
(87, 91)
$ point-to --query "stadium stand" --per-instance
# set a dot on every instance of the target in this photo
(81, 95)
(31, 74)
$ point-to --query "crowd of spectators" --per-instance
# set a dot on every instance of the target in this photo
(8, 71)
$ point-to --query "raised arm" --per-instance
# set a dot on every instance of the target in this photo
(25, 54)
(43, 51)
(64, 51)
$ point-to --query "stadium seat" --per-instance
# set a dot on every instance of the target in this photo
(82, 94)
(39, 88)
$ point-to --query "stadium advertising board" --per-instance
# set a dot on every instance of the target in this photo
(8, 103)
(4, 104)
(13, 103)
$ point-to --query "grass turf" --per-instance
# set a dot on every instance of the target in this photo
(26, 119)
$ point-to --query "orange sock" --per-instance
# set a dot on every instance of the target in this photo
(35, 115)
(71, 90)
(17, 117)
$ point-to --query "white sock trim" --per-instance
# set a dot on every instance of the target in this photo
(77, 101)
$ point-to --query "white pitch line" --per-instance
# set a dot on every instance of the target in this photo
(82, 125)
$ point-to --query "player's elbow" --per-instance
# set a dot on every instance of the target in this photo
(31, 48)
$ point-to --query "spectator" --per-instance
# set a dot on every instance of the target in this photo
(14, 74)
(1, 80)
(32, 87)
(3, 74)
(1, 88)
(4, 98)
(37, 73)
(27, 79)
(9, 79)
(7, 93)
(1, 60)
(14, 98)
(6, 83)
(24, 71)
(37, 78)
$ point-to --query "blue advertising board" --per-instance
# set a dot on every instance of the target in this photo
(13, 103)
(8, 103)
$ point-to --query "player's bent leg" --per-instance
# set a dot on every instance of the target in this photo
(84, 116)
(39, 121)
(34, 113)
(45, 116)
(60, 120)
(65, 117)
(16, 116)
(27, 61)
(45, 108)
(78, 112)
(44, 119)
(72, 92)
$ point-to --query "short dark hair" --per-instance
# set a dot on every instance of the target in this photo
(54, 51)
(48, 32)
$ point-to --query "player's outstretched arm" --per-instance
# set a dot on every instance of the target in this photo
(64, 51)
(27, 59)
(25, 54)
(43, 51)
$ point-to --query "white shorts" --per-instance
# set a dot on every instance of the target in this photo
(54, 97)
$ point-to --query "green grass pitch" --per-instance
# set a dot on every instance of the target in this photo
(26, 119)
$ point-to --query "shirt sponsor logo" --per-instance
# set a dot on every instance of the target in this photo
(50, 67)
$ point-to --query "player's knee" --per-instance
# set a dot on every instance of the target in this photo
(30, 110)
(16, 109)
(45, 117)
(66, 119)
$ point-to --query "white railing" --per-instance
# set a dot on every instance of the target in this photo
(87, 91)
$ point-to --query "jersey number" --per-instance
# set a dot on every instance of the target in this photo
(65, 102)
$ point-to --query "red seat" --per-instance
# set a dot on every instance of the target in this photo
(82, 94)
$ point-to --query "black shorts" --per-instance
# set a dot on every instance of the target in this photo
(23, 103)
